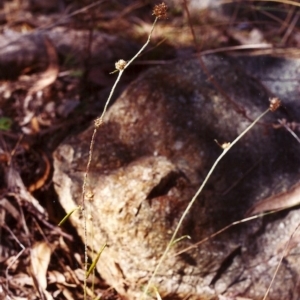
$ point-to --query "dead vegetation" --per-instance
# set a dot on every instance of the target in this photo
(55, 60)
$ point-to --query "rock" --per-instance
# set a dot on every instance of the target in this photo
(195, 6)
(151, 155)
(280, 75)
(20, 51)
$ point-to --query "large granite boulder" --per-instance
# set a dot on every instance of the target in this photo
(152, 153)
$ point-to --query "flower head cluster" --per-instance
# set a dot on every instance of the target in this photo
(120, 64)
(160, 11)
(98, 122)
(274, 104)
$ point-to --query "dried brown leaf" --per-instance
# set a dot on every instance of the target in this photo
(57, 277)
(68, 295)
(12, 263)
(40, 258)
(278, 201)
(10, 208)
(19, 298)
(15, 182)
(47, 77)
(22, 279)
(48, 295)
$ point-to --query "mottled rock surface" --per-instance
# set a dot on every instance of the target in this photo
(152, 153)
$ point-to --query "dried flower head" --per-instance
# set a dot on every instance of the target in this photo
(89, 195)
(224, 145)
(98, 122)
(160, 11)
(120, 64)
(274, 104)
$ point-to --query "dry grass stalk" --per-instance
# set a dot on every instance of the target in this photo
(274, 104)
(160, 12)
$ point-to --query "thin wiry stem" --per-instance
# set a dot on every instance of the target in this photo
(110, 95)
(84, 211)
(98, 123)
(284, 253)
(260, 215)
(145, 45)
(170, 244)
(289, 130)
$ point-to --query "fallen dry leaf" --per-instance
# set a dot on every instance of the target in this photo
(278, 201)
(40, 258)
(57, 277)
(15, 183)
(12, 263)
(68, 295)
(19, 298)
(47, 77)
(10, 208)
(22, 279)
(36, 83)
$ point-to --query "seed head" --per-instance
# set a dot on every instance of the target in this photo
(224, 145)
(98, 122)
(160, 11)
(89, 195)
(274, 104)
(120, 64)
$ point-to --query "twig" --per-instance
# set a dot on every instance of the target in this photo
(15, 258)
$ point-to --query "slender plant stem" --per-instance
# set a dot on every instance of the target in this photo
(170, 244)
(145, 45)
(284, 253)
(111, 93)
(126, 66)
(98, 123)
